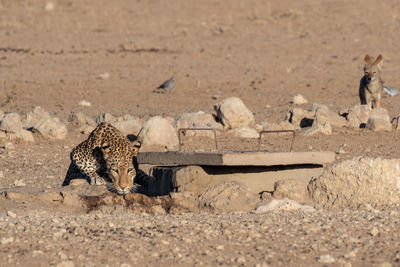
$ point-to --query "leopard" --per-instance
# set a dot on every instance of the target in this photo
(106, 157)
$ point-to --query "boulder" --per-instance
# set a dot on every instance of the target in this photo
(86, 129)
(159, 134)
(379, 120)
(79, 118)
(373, 181)
(228, 197)
(325, 129)
(106, 117)
(233, 113)
(292, 189)
(245, 132)
(323, 114)
(11, 123)
(131, 126)
(198, 119)
(299, 100)
(300, 117)
(358, 116)
(48, 127)
(51, 128)
(25, 136)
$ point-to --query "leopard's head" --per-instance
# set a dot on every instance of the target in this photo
(119, 162)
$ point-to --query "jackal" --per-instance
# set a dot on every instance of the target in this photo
(371, 84)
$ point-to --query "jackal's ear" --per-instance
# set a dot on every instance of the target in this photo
(379, 62)
(367, 59)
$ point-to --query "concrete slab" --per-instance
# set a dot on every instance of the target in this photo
(178, 158)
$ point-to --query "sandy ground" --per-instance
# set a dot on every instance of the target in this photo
(264, 52)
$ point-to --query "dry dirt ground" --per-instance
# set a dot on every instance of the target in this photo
(264, 52)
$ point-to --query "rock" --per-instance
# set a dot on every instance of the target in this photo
(25, 136)
(49, 6)
(326, 259)
(325, 129)
(11, 214)
(159, 134)
(300, 117)
(51, 128)
(283, 204)
(11, 122)
(183, 202)
(79, 118)
(323, 114)
(9, 146)
(85, 103)
(36, 116)
(198, 119)
(379, 120)
(292, 189)
(105, 117)
(233, 113)
(6, 240)
(104, 76)
(227, 197)
(47, 126)
(1, 114)
(358, 116)
(358, 181)
(19, 182)
(245, 132)
(86, 129)
(299, 99)
(131, 126)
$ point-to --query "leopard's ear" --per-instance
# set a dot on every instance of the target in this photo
(135, 147)
(105, 149)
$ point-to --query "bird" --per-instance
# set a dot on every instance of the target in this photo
(168, 85)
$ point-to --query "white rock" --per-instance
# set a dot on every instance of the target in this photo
(86, 129)
(159, 134)
(52, 128)
(9, 146)
(104, 76)
(79, 118)
(85, 103)
(36, 116)
(6, 240)
(25, 136)
(198, 119)
(323, 115)
(106, 117)
(131, 126)
(283, 204)
(326, 259)
(325, 129)
(358, 115)
(379, 120)
(11, 214)
(233, 113)
(245, 132)
(11, 122)
(299, 99)
(49, 6)
(228, 196)
(19, 182)
(350, 183)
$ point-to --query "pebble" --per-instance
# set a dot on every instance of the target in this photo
(241, 260)
(104, 76)
(11, 214)
(85, 103)
(49, 6)
(6, 240)
(326, 259)
(374, 231)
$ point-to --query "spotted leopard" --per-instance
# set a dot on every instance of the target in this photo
(106, 157)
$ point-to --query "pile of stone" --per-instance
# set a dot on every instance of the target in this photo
(320, 119)
(15, 129)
